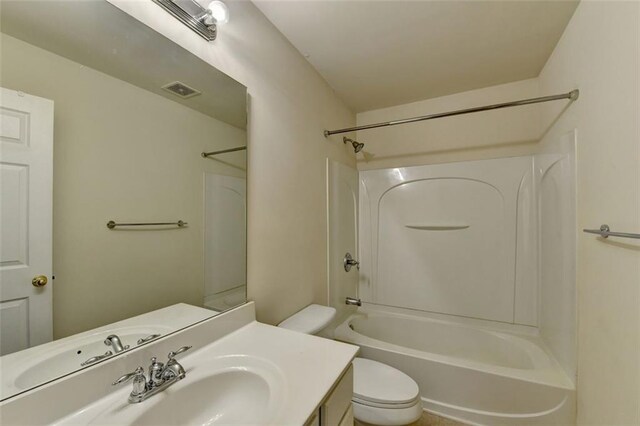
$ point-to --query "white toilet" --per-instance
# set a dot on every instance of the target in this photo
(382, 395)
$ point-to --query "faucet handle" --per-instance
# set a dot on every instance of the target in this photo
(139, 372)
(148, 338)
(173, 354)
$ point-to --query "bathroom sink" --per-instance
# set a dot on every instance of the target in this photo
(253, 374)
(231, 397)
(229, 390)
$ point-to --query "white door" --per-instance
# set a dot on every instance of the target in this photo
(26, 186)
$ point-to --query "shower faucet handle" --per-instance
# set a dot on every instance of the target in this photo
(349, 261)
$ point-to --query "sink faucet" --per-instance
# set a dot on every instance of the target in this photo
(161, 376)
(115, 343)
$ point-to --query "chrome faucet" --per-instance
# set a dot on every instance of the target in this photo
(115, 343)
(353, 301)
(349, 261)
(161, 376)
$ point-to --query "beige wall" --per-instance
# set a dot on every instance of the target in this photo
(290, 106)
(600, 54)
(119, 154)
(492, 134)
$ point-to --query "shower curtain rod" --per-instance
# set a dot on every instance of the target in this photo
(222, 151)
(572, 95)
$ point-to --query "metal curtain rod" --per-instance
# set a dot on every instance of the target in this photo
(572, 95)
(223, 151)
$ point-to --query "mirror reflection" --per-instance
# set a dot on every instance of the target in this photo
(123, 188)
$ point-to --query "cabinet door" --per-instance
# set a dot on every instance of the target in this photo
(314, 420)
(338, 403)
(348, 420)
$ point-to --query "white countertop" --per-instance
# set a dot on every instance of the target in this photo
(302, 370)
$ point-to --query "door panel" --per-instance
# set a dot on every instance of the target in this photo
(14, 316)
(13, 217)
(26, 182)
(14, 126)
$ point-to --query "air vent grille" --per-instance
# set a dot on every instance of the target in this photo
(180, 89)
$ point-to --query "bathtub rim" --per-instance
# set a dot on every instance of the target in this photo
(553, 375)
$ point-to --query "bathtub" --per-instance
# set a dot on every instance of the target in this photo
(468, 372)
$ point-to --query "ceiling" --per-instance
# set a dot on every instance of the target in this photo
(102, 37)
(382, 53)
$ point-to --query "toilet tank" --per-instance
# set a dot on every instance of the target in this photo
(310, 320)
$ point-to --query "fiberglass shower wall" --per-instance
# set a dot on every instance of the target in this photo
(490, 240)
(443, 239)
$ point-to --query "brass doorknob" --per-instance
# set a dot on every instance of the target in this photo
(39, 281)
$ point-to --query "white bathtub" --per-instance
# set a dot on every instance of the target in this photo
(471, 373)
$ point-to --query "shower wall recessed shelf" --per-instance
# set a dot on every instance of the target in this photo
(436, 227)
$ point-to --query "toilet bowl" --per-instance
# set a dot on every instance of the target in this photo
(382, 395)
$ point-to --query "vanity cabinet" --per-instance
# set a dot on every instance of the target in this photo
(336, 409)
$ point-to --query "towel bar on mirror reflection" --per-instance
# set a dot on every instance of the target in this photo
(180, 224)
(222, 151)
(606, 232)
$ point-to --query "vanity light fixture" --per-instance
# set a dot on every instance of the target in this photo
(202, 16)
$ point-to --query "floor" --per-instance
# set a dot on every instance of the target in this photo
(428, 419)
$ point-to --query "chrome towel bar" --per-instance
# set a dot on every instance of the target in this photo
(605, 232)
(180, 224)
(222, 151)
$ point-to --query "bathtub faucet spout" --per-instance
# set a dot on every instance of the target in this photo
(353, 301)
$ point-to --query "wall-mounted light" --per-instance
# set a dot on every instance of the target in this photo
(202, 16)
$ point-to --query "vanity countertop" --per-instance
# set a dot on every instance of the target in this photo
(256, 372)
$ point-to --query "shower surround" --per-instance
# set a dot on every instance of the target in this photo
(467, 280)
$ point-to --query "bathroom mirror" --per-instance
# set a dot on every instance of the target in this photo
(114, 219)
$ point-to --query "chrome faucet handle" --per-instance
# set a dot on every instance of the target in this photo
(139, 381)
(172, 369)
(96, 358)
(349, 261)
(173, 354)
(146, 339)
(137, 372)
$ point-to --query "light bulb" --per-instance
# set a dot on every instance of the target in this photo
(217, 13)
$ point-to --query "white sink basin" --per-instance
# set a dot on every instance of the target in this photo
(230, 397)
(229, 390)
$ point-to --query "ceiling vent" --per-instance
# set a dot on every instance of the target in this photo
(180, 89)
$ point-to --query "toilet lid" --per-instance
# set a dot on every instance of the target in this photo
(380, 383)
